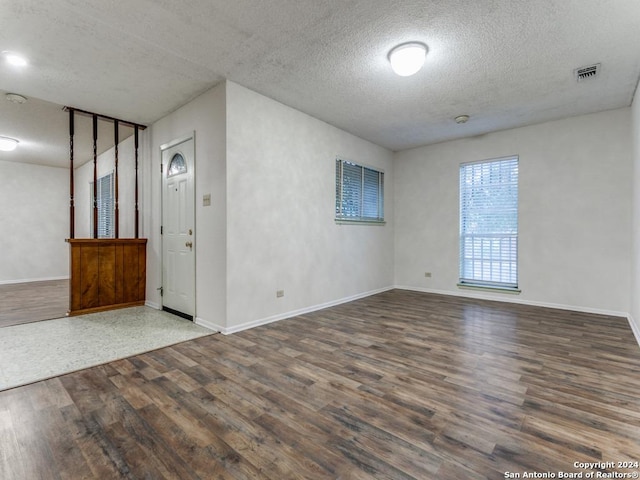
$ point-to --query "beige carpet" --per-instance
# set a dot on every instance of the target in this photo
(37, 351)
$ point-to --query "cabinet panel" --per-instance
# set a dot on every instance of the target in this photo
(106, 274)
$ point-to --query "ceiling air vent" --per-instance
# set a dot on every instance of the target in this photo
(586, 73)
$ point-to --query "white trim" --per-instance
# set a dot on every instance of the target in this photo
(208, 324)
(342, 221)
(283, 316)
(353, 162)
(177, 141)
(28, 280)
(164, 147)
(635, 328)
(487, 160)
(509, 298)
(149, 303)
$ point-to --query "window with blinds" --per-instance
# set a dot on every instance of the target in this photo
(359, 193)
(489, 223)
(105, 206)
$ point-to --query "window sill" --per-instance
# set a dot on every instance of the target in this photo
(474, 286)
(360, 222)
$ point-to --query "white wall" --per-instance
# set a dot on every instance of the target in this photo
(574, 211)
(83, 193)
(281, 233)
(270, 171)
(34, 221)
(635, 264)
(205, 116)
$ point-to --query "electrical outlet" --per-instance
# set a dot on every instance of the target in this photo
(279, 293)
(427, 274)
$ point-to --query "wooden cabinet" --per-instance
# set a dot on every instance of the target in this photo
(106, 274)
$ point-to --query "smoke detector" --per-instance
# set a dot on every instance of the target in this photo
(587, 73)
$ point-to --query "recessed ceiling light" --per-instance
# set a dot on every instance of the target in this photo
(8, 144)
(14, 59)
(407, 59)
(15, 98)
(462, 119)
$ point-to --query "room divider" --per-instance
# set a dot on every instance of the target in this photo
(105, 273)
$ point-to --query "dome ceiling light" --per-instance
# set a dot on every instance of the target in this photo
(407, 58)
(15, 98)
(8, 144)
(14, 59)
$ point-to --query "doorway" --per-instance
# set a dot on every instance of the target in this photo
(178, 227)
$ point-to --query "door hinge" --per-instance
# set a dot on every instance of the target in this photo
(161, 168)
(161, 229)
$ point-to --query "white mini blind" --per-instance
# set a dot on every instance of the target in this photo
(359, 192)
(489, 223)
(106, 206)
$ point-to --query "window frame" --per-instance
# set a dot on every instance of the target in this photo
(501, 263)
(360, 193)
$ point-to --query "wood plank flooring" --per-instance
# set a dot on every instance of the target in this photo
(33, 301)
(400, 385)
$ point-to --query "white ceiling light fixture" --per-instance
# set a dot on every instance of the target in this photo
(462, 119)
(407, 58)
(8, 144)
(14, 59)
(15, 98)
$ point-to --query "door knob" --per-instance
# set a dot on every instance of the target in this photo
(189, 244)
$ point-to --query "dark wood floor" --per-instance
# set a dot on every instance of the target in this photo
(400, 385)
(33, 301)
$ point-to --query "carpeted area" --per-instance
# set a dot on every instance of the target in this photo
(36, 351)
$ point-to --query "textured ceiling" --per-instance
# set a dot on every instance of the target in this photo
(506, 63)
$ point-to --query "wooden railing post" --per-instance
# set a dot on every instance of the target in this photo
(95, 176)
(137, 217)
(72, 213)
(116, 210)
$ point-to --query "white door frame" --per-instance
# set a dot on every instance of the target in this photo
(163, 147)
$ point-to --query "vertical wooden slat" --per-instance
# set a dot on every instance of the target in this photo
(137, 231)
(75, 279)
(95, 176)
(72, 213)
(107, 274)
(121, 273)
(116, 207)
(142, 272)
(130, 277)
(90, 276)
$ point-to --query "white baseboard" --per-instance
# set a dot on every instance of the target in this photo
(151, 304)
(208, 324)
(28, 280)
(510, 298)
(635, 328)
(466, 293)
(283, 316)
(198, 321)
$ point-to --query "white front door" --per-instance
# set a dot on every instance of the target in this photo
(178, 227)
